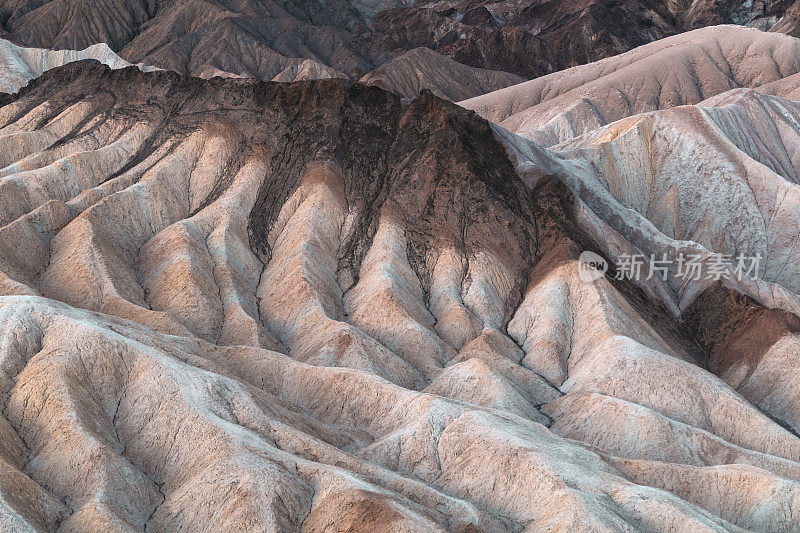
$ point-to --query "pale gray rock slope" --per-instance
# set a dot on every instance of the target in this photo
(654, 175)
(19, 65)
(680, 70)
(369, 316)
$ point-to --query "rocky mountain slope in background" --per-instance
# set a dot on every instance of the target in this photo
(233, 304)
(790, 22)
(536, 38)
(422, 68)
(258, 39)
(266, 38)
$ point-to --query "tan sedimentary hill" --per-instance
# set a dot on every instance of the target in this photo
(298, 71)
(422, 68)
(680, 70)
(229, 304)
(19, 65)
(308, 70)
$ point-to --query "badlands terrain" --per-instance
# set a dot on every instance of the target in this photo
(230, 304)
(351, 38)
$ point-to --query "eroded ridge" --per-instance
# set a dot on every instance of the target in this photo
(235, 304)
